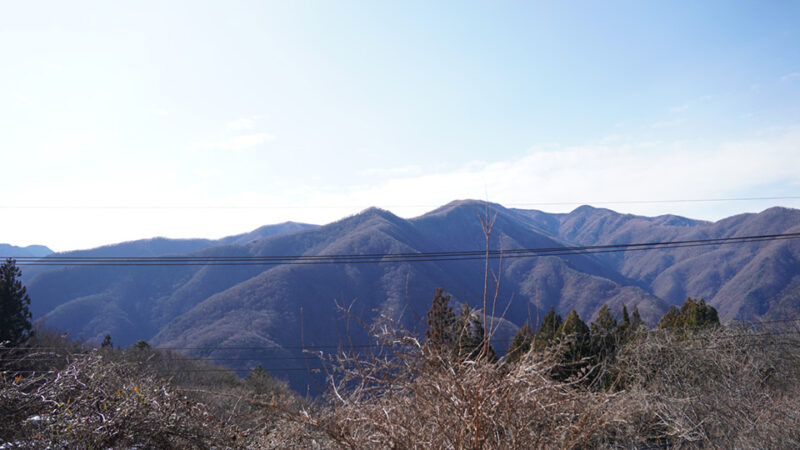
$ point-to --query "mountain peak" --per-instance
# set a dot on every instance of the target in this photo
(461, 204)
(31, 250)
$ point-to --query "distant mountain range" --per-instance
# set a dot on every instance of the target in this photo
(29, 251)
(266, 307)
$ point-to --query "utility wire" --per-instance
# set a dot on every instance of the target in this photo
(373, 258)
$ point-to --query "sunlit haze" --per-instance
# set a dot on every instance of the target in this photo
(128, 120)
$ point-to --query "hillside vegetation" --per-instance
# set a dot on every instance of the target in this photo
(267, 306)
(688, 383)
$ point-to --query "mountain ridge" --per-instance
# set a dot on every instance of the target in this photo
(207, 306)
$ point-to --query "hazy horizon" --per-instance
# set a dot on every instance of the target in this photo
(186, 119)
(242, 231)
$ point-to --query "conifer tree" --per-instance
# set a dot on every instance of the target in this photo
(636, 319)
(469, 336)
(107, 342)
(626, 319)
(575, 345)
(15, 316)
(693, 314)
(467, 343)
(624, 327)
(262, 382)
(548, 330)
(479, 335)
(439, 334)
(604, 333)
(573, 326)
(520, 345)
(671, 319)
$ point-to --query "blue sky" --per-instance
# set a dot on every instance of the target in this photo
(311, 111)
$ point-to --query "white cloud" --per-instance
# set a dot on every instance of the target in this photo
(677, 109)
(790, 76)
(207, 173)
(160, 112)
(22, 98)
(551, 177)
(245, 141)
(568, 176)
(391, 171)
(668, 123)
(246, 123)
(242, 142)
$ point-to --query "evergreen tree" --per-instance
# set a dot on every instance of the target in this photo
(636, 320)
(485, 348)
(469, 333)
(262, 382)
(626, 319)
(693, 314)
(467, 343)
(605, 322)
(604, 334)
(671, 319)
(548, 330)
(624, 327)
(520, 345)
(441, 320)
(574, 326)
(698, 314)
(575, 340)
(15, 316)
(107, 342)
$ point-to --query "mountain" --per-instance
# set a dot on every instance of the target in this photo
(12, 251)
(270, 311)
(161, 246)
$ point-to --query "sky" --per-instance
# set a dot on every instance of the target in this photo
(128, 120)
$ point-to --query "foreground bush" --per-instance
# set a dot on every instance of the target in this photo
(728, 387)
(721, 388)
(92, 403)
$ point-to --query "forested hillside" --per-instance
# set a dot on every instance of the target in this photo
(275, 308)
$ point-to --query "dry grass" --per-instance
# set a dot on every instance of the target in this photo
(92, 403)
(720, 388)
(729, 388)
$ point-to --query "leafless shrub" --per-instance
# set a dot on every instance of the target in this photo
(725, 387)
(721, 388)
(95, 403)
(414, 396)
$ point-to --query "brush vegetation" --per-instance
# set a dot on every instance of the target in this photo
(610, 384)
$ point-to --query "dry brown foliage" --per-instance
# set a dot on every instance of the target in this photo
(718, 388)
(95, 403)
(723, 387)
(416, 397)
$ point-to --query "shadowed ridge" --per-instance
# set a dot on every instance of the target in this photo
(265, 232)
(478, 205)
(677, 221)
(31, 250)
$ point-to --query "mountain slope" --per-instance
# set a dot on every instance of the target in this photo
(13, 251)
(277, 308)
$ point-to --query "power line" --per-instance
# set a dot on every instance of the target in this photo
(373, 258)
(306, 207)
